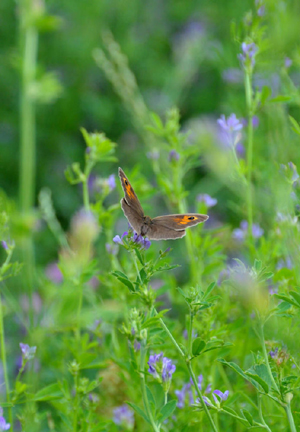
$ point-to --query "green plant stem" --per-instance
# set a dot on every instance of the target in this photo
(143, 353)
(204, 406)
(76, 404)
(190, 334)
(79, 312)
(190, 249)
(4, 364)
(290, 417)
(85, 187)
(261, 414)
(248, 89)
(191, 372)
(27, 114)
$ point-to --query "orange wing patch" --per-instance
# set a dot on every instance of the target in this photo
(129, 189)
(185, 219)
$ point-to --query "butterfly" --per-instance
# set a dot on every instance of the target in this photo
(159, 228)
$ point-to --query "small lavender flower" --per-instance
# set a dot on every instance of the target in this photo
(144, 242)
(207, 200)
(230, 130)
(54, 273)
(261, 8)
(288, 62)
(173, 156)
(111, 181)
(119, 240)
(183, 394)
(185, 334)
(273, 290)
(4, 245)
(222, 396)
(123, 416)
(293, 171)
(208, 388)
(223, 275)
(28, 352)
(161, 367)
(111, 249)
(241, 233)
(274, 354)
(3, 425)
(206, 401)
(284, 263)
(248, 54)
(232, 76)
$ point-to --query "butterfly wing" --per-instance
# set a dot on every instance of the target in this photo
(160, 232)
(179, 222)
(133, 217)
(130, 196)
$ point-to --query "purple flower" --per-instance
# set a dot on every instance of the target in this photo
(137, 345)
(54, 273)
(232, 76)
(274, 353)
(111, 181)
(222, 396)
(28, 352)
(230, 129)
(284, 263)
(161, 367)
(288, 62)
(119, 240)
(153, 155)
(144, 242)
(4, 245)
(293, 171)
(272, 289)
(208, 388)
(248, 54)
(224, 275)
(185, 334)
(123, 416)
(261, 9)
(207, 200)
(111, 249)
(206, 401)
(255, 121)
(183, 394)
(173, 156)
(3, 425)
(241, 233)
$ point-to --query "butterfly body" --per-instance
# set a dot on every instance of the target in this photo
(159, 228)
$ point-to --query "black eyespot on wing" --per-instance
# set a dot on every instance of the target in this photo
(191, 218)
(126, 182)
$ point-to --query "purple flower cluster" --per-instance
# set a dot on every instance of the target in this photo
(241, 233)
(3, 425)
(274, 353)
(230, 130)
(4, 245)
(221, 395)
(173, 156)
(138, 239)
(161, 367)
(186, 394)
(207, 200)
(123, 416)
(261, 8)
(247, 56)
(28, 352)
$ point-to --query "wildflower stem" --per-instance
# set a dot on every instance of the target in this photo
(263, 345)
(143, 353)
(248, 89)
(189, 366)
(201, 397)
(85, 187)
(79, 312)
(190, 334)
(261, 414)
(290, 417)
(190, 248)
(4, 364)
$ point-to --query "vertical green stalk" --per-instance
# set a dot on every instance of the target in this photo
(4, 364)
(143, 353)
(261, 414)
(286, 406)
(85, 187)
(249, 98)
(190, 334)
(78, 312)
(27, 112)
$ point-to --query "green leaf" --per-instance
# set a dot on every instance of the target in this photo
(50, 392)
(140, 258)
(286, 299)
(260, 381)
(265, 93)
(238, 370)
(280, 98)
(167, 410)
(248, 416)
(181, 292)
(150, 398)
(124, 279)
(295, 124)
(257, 265)
(139, 411)
(198, 346)
(296, 296)
(209, 290)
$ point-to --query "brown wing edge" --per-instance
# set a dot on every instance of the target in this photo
(137, 205)
(164, 221)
